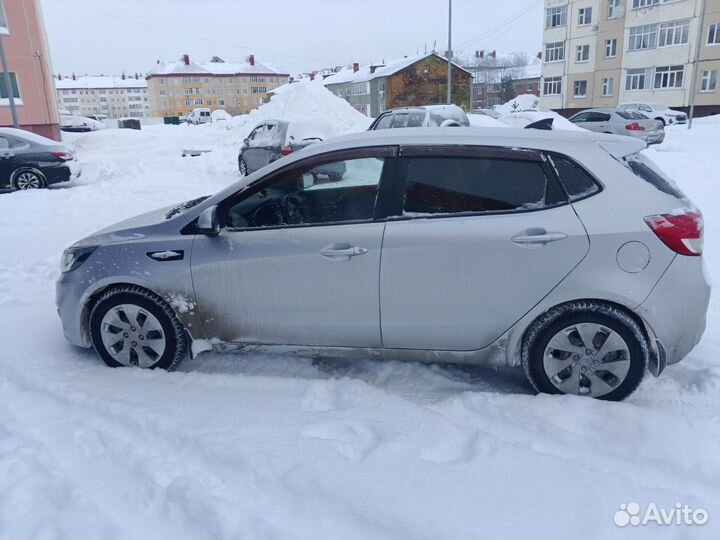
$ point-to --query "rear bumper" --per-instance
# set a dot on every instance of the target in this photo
(655, 138)
(676, 308)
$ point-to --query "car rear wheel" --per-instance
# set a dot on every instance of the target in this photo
(242, 166)
(587, 349)
(130, 326)
(659, 119)
(28, 179)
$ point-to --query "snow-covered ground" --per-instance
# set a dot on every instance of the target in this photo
(259, 446)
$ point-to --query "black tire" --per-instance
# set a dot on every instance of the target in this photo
(19, 175)
(176, 341)
(545, 327)
(242, 166)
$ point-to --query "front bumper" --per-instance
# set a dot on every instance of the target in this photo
(676, 308)
(69, 294)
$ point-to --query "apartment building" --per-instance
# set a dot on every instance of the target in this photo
(22, 31)
(599, 53)
(176, 88)
(114, 97)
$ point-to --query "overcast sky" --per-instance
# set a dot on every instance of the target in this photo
(104, 36)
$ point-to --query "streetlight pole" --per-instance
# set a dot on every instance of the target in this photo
(449, 81)
(8, 86)
(694, 70)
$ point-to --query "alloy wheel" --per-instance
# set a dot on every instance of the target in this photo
(28, 180)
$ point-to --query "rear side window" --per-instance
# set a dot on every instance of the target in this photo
(578, 183)
(450, 185)
(416, 119)
(400, 120)
(648, 171)
(384, 122)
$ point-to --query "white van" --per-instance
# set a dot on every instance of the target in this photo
(200, 116)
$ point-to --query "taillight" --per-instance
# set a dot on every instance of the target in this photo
(286, 150)
(63, 156)
(683, 233)
(634, 127)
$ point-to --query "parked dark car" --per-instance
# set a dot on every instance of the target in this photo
(423, 116)
(273, 139)
(30, 161)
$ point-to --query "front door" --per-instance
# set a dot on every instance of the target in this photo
(297, 262)
(484, 235)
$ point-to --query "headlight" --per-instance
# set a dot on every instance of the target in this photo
(74, 257)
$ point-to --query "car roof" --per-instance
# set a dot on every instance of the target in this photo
(555, 140)
(435, 107)
(28, 136)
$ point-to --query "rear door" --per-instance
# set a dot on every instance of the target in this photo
(253, 153)
(481, 236)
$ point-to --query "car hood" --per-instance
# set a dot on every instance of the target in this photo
(134, 228)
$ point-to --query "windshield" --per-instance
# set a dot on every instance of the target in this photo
(184, 207)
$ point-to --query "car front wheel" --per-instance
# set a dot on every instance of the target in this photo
(585, 348)
(130, 326)
(242, 166)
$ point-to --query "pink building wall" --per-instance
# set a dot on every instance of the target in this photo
(28, 57)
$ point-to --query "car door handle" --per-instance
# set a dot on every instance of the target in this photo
(537, 239)
(6, 155)
(342, 251)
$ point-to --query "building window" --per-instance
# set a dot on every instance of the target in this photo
(13, 85)
(669, 76)
(221, 102)
(555, 52)
(645, 3)
(611, 48)
(188, 102)
(360, 89)
(673, 33)
(198, 101)
(584, 16)
(714, 34)
(4, 30)
(258, 89)
(643, 37)
(555, 16)
(552, 86)
(188, 91)
(607, 87)
(709, 80)
(614, 9)
(636, 79)
(580, 89)
(257, 78)
(582, 53)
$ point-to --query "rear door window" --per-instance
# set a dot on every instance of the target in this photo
(452, 185)
(416, 119)
(400, 120)
(644, 168)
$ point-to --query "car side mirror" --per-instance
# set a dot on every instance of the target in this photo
(208, 223)
(246, 141)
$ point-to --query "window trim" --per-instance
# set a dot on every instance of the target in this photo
(501, 153)
(582, 15)
(612, 44)
(388, 152)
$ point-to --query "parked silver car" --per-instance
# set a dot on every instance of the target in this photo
(620, 122)
(567, 252)
(421, 116)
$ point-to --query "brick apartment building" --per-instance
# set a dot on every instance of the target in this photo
(22, 31)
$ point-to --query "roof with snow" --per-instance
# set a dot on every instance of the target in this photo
(373, 71)
(99, 81)
(216, 66)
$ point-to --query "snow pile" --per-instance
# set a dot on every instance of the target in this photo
(302, 101)
(483, 120)
(260, 446)
(523, 102)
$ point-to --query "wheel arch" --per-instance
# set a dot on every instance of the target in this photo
(95, 296)
(657, 362)
(29, 168)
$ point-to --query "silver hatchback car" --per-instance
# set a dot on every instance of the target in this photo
(569, 253)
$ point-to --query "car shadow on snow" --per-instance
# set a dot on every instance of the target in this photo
(412, 380)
